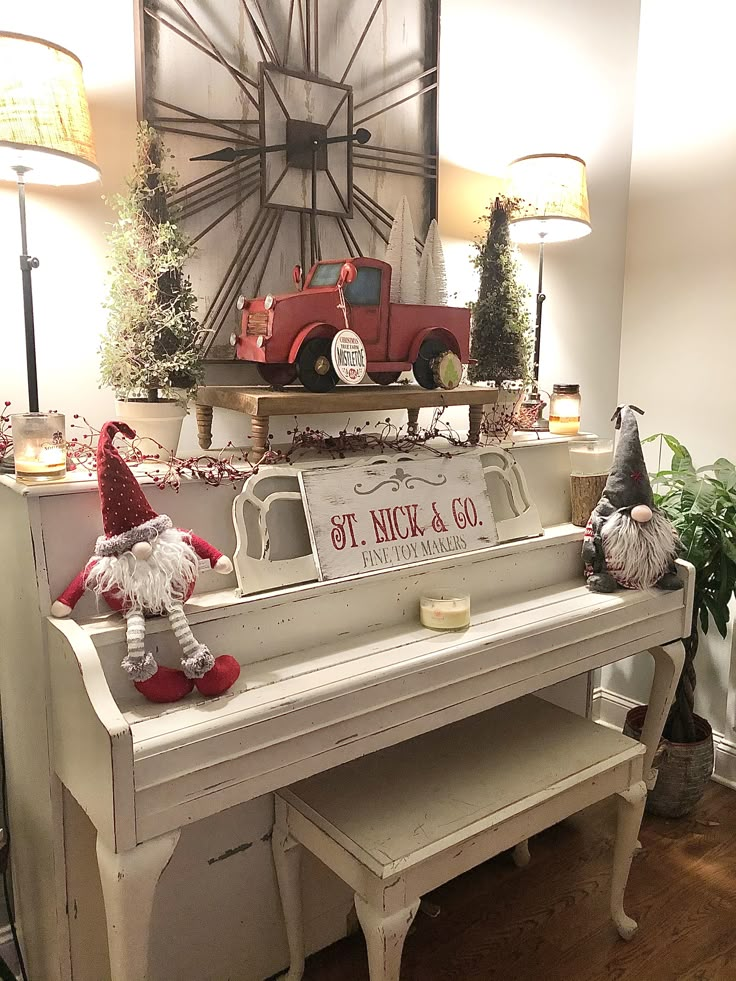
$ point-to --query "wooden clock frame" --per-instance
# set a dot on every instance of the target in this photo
(251, 250)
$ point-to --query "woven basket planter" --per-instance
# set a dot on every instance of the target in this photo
(684, 769)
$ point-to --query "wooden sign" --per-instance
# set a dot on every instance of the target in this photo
(381, 515)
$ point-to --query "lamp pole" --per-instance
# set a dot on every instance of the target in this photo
(27, 264)
(541, 297)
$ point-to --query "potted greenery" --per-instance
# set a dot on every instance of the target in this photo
(701, 503)
(500, 342)
(150, 354)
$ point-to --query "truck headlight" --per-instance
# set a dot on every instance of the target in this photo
(269, 301)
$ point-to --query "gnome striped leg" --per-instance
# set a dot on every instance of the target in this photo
(196, 660)
(138, 665)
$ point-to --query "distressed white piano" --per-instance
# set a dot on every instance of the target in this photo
(166, 811)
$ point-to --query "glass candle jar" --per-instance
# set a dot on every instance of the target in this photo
(590, 457)
(564, 410)
(442, 611)
(39, 446)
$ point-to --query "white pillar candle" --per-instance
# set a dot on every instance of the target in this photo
(443, 612)
(591, 458)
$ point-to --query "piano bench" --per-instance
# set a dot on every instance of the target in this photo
(402, 821)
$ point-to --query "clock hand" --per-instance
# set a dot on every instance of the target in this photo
(229, 153)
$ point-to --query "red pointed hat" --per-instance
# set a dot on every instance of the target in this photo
(126, 514)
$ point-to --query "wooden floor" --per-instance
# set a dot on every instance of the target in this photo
(550, 920)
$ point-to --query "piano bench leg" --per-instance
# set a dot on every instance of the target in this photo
(129, 881)
(630, 811)
(287, 857)
(668, 662)
(521, 854)
(384, 938)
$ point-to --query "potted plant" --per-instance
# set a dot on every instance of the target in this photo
(501, 330)
(701, 503)
(150, 355)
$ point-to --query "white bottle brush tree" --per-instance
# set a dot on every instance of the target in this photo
(150, 350)
(432, 271)
(401, 255)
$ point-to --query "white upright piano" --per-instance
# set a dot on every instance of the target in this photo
(160, 817)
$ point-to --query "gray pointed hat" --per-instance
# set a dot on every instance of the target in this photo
(628, 480)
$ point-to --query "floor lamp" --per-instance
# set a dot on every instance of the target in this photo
(45, 138)
(552, 195)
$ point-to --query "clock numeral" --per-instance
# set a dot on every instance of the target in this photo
(239, 77)
(238, 270)
(400, 102)
(248, 193)
(359, 45)
(264, 38)
(215, 195)
(348, 237)
(398, 85)
(363, 211)
(338, 192)
(380, 212)
(191, 118)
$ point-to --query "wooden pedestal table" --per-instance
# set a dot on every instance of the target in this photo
(401, 822)
(263, 403)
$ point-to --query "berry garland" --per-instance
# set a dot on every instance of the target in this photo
(231, 465)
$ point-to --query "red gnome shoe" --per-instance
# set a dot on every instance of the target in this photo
(220, 677)
(167, 685)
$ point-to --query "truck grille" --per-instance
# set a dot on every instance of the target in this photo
(257, 324)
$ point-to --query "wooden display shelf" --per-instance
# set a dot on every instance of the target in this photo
(260, 403)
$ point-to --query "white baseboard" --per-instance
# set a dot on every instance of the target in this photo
(610, 708)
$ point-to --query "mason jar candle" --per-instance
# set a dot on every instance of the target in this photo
(441, 611)
(39, 446)
(564, 410)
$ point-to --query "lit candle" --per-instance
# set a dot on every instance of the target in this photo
(442, 612)
(39, 447)
(564, 410)
(591, 458)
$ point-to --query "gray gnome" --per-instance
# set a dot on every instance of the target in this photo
(629, 542)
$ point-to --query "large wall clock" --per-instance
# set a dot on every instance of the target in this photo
(313, 118)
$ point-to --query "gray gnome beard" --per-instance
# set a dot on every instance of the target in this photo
(639, 554)
(154, 584)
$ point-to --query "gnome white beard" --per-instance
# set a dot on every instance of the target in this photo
(638, 554)
(154, 584)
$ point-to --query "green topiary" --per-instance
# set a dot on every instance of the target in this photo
(501, 335)
(150, 349)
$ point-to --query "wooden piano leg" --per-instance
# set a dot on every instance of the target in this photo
(384, 938)
(129, 881)
(475, 421)
(204, 425)
(287, 857)
(630, 810)
(668, 662)
(412, 421)
(521, 854)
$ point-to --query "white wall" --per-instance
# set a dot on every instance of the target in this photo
(677, 345)
(66, 226)
(525, 76)
(561, 78)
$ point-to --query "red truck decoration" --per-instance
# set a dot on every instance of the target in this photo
(290, 336)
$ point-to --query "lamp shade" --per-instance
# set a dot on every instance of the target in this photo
(44, 116)
(553, 198)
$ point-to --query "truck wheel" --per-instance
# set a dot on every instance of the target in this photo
(423, 367)
(314, 367)
(277, 375)
(384, 377)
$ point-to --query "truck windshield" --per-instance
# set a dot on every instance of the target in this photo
(365, 289)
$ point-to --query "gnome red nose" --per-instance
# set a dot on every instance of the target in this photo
(641, 513)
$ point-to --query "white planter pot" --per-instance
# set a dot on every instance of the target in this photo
(154, 423)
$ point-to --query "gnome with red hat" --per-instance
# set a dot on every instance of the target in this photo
(143, 566)
(629, 542)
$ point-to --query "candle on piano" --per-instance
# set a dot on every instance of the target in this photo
(564, 410)
(39, 446)
(591, 457)
(441, 611)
